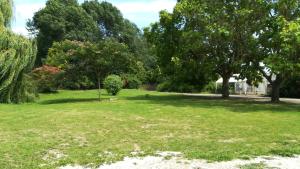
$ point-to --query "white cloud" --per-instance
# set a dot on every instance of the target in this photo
(153, 6)
(23, 12)
(27, 10)
(20, 30)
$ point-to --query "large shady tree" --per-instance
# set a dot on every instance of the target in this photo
(60, 20)
(224, 28)
(212, 35)
(17, 55)
(277, 50)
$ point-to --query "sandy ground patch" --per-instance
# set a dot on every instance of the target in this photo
(175, 160)
(53, 155)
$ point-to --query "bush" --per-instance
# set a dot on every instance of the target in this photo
(76, 82)
(211, 88)
(291, 88)
(113, 84)
(173, 86)
(46, 78)
(131, 81)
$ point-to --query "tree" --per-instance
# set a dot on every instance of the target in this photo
(95, 61)
(46, 79)
(108, 18)
(60, 20)
(204, 36)
(183, 71)
(112, 24)
(91, 21)
(290, 88)
(108, 57)
(17, 55)
(220, 32)
(5, 12)
(277, 54)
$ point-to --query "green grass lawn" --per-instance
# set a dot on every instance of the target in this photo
(81, 130)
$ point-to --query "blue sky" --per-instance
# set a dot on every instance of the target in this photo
(141, 12)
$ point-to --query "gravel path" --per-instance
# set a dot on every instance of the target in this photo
(176, 161)
(251, 97)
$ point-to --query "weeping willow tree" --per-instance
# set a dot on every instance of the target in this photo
(5, 12)
(17, 56)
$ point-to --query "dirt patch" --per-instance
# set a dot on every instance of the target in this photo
(53, 155)
(234, 140)
(175, 160)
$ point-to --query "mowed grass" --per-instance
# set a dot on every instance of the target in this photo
(73, 127)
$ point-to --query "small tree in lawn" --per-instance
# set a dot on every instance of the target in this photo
(108, 57)
(93, 60)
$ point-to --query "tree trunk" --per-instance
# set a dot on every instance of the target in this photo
(275, 92)
(99, 88)
(225, 87)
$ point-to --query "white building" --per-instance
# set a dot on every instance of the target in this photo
(239, 86)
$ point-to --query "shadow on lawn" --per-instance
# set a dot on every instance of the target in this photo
(242, 105)
(69, 100)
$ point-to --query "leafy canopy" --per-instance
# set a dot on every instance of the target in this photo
(17, 55)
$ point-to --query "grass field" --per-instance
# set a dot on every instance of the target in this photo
(72, 127)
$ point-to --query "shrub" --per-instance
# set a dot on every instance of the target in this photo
(131, 81)
(291, 88)
(173, 86)
(45, 78)
(73, 82)
(164, 86)
(113, 84)
(149, 87)
(211, 88)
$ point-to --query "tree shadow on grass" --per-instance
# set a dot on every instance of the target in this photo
(71, 100)
(241, 105)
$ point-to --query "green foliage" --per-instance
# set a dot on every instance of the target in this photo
(108, 18)
(276, 50)
(46, 78)
(113, 84)
(5, 12)
(91, 21)
(61, 20)
(211, 88)
(253, 38)
(17, 55)
(219, 32)
(291, 88)
(67, 56)
(173, 85)
(73, 81)
(131, 81)
(177, 60)
(87, 64)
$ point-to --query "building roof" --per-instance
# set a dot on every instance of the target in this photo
(233, 79)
